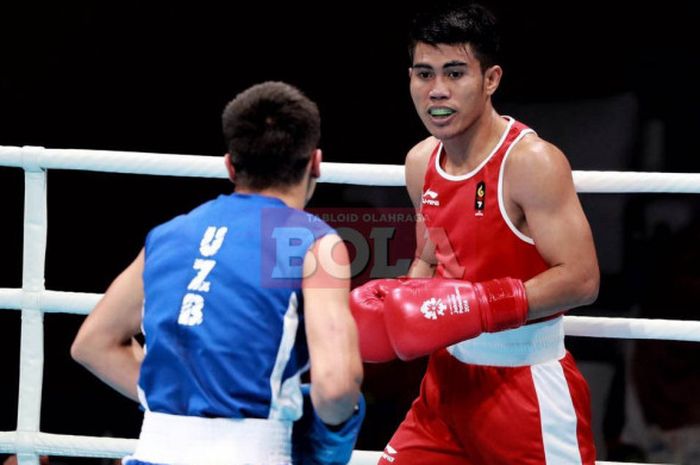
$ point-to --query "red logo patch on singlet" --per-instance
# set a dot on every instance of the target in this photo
(480, 199)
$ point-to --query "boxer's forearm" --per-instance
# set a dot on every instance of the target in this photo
(561, 288)
(117, 366)
(421, 269)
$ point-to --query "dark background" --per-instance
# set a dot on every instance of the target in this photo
(612, 83)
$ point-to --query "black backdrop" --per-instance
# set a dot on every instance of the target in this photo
(155, 78)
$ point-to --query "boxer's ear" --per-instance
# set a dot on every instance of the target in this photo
(316, 158)
(492, 79)
(230, 168)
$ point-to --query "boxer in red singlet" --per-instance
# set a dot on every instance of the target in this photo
(508, 249)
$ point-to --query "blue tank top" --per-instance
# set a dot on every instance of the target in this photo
(223, 317)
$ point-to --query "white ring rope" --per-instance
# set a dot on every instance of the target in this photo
(33, 300)
(65, 444)
(85, 446)
(37, 158)
(585, 326)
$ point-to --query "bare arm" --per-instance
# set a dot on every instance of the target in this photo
(424, 261)
(336, 366)
(105, 344)
(541, 186)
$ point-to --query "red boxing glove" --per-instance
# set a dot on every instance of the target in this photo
(367, 306)
(422, 316)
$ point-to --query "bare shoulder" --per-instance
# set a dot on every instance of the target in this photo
(327, 264)
(537, 166)
(416, 164)
(420, 153)
(533, 152)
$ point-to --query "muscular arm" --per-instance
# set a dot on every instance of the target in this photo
(424, 262)
(105, 343)
(336, 367)
(540, 189)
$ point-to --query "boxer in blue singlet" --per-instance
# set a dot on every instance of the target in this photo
(235, 299)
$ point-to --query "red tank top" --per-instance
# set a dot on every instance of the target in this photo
(466, 219)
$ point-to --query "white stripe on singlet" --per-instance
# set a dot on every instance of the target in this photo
(501, 200)
(286, 402)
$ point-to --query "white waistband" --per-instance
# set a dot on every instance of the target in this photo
(183, 440)
(527, 345)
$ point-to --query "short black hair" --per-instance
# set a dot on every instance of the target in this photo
(454, 23)
(270, 130)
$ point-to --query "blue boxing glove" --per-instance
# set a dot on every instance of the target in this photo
(316, 443)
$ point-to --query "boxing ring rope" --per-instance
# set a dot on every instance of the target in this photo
(587, 182)
(33, 300)
(583, 326)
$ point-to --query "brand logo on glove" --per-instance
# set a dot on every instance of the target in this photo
(430, 198)
(432, 308)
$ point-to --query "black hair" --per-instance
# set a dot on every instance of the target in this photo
(454, 23)
(271, 130)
